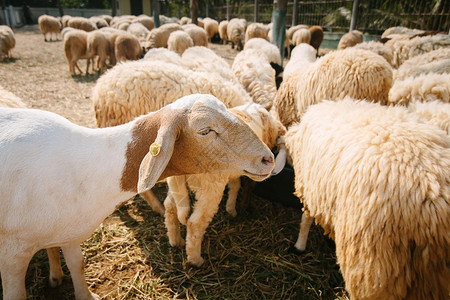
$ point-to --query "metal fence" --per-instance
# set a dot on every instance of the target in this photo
(334, 15)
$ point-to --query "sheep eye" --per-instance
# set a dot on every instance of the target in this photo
(205, 131)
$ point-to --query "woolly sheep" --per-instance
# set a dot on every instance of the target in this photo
(433, 112)
(146, 21)
(316, 36)
(197, 34)
(158, 36)
(139, 31)
(423, 88)
(290, 32)
(381, 49)
(301, 56)
(75, 48)
(377, 179)
(68, 196)
(211, 27)
(209, 188)
(256, 30)
(99, 22)
(301, 36)
(256, 75)
(270, 50)
(49, 25)
(235, 32)
(97, 45)
(436, 61)
(65, 20)
(350, 39)
(223, 31)
(7, 41)
(399, 30)
(164, 55)
(82, 24)
(179, 41)
(184, 20)
(405, 48)
(127, 47)
(357, 73)
(8, 99)
(134, 88)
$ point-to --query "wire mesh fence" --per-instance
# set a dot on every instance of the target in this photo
(334, 15)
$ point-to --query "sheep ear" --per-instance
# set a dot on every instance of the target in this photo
(156, 160)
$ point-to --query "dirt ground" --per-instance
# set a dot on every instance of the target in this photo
(128, 257)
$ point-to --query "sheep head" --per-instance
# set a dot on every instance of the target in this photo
(195, 134)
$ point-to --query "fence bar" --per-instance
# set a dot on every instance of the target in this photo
(354, 15)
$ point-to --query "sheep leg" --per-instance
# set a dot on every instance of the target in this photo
(13, 269)
(305, 225)
(153, 202)
(171, 221)
(180, 195)
(56, 272)
(87, 66)
(204, 210)
(75, 63)
(75, 263)
(234, 186)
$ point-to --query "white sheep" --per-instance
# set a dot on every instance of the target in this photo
(350, 39)
(7, 41)
(127, 47)
(211, 27)
(99, 22)
(134, 88)
(300, 36)
(423, 88)
(256, 30)
(145, 20)
(397, 30)
(59, 181)
(433, 112)
(158, 36)
(301, 56)
(290, 32)
(223, 31)
(384, 50)
(377, 179)
(255, 73)
(164, 55)
(75, 48)
(139, 31)
(82, 24)
(236, 32)
(197, 34)
(357, 73)
(179, 41)
(436, 61)
(49, 25)
(209, 188)
(270, 50)
(8, 99)
(97, 44)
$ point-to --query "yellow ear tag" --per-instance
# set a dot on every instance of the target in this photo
(155, 148)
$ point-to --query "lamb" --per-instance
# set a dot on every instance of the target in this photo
(235, 32)
(350, 39)
(423, 88)
(434, 112)
(211, 27)
(377, 179)
(7, 41)
(256, 75)
(179, 41)
(436, 61)
(97, 44)
(197, 34)
(75, 48)
(158, 36)
(82, 24)
(134, 88)
(301, 56)
(209, 188)
(127, 47)
(49, 25)
(357, 73)
(256, 30)
(8, 99)
(223, 31)
(300, 36)
(60, 199)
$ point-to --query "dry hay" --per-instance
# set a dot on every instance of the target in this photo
(129, 256)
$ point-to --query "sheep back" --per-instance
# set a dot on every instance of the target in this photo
(7, 41)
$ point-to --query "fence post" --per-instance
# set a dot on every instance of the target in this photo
(279, 25)
(354, 15)
(294, 13)
(228, 10)
(255, 12)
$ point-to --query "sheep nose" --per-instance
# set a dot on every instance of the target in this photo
(267, 160)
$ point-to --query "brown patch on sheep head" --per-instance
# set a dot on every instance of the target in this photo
(196, 135)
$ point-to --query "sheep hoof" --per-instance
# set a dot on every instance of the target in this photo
(198, 262)
(232, 212)
(94, 297)
(55, 281)
(179, 242)
(296, 251)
